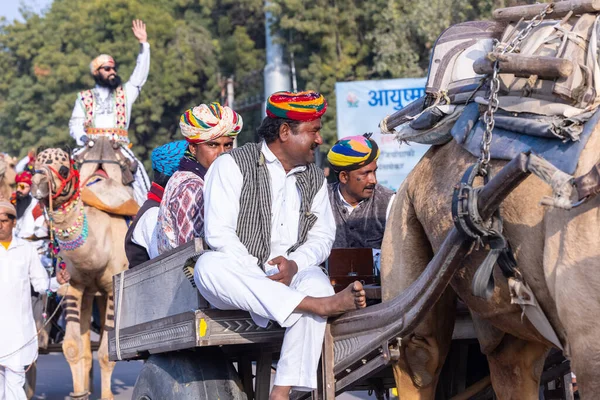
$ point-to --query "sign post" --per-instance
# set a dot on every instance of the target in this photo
(361, 105)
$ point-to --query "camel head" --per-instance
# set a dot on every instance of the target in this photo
(55, 177)
(7, 169)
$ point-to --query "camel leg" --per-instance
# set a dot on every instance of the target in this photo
(516, 368)
(86, 315)
(406, 252)
(424, 352)
(106, 366)
(73, 343)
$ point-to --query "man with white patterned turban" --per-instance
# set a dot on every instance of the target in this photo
(210, 131)
(105, 110)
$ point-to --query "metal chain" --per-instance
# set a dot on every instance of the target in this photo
(493, 103)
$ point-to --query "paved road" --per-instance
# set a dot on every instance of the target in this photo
(54, 379)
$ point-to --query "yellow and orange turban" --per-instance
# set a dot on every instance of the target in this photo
(209, 122)
(301, 106)
(352, 152)
(101, 61)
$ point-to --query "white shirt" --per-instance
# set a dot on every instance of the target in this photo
(349, 207)
(27, 226)
(104, 117)
(20, 167)
(20, 266)
(222, 190)
(145, 233)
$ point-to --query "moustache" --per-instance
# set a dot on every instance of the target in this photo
(314, 146)
(369, 187)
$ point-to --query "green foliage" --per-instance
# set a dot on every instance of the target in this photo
(195, 45)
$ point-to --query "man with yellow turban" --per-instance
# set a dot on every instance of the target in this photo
(209, 130)
(360, 205)
(105, 110)
(269, 222)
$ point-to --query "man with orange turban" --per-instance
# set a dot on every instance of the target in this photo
(269, 222)
(209, 130)
(105, 110)
(360, 204)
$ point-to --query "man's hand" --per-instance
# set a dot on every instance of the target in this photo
(287, 270)
(139, 30)
(63, 276)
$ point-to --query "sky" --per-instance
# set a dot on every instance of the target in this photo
(10, 8)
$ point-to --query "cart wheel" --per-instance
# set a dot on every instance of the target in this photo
(202, 374)
(30, 378)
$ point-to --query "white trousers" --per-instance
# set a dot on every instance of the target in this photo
(229, 284)
(12, 380)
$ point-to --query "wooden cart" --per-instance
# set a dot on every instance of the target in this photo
(191, 349)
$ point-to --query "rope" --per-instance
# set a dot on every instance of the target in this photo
(384, 128)
(34, 337)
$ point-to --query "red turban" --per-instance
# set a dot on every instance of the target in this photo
(24, 177)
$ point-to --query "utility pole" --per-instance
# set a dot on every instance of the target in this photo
(277, 73)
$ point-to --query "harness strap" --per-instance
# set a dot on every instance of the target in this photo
(118, 311)
(73, 175)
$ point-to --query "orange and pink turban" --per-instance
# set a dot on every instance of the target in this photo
(209, 122)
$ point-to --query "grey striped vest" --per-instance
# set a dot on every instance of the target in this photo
(254, 219)
(365, 226)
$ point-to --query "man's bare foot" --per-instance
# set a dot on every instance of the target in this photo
(351, 298)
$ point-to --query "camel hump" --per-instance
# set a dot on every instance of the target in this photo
(106, 194)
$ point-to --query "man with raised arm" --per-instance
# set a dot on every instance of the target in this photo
(105, 110)
(269, 222)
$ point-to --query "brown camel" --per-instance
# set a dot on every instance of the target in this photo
(7, 176)
(557, 251)
(92, 245)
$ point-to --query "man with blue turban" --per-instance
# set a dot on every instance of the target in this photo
(141, 240)
(360, 204)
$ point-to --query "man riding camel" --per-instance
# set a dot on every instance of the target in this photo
(105, 110)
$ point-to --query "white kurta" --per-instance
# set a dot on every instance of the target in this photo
(20, 266)
(229, 277)
(104, 113)
(145, 233)
(28, 226)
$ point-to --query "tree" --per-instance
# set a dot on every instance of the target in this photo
(195, 45)
(45, 62)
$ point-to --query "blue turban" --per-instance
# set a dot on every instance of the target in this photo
(165, 159)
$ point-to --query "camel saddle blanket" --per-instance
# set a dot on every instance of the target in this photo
(107, 195)
(509, 137)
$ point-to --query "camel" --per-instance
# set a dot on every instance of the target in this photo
(558, 252)
(7, 176)
(93, 253)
